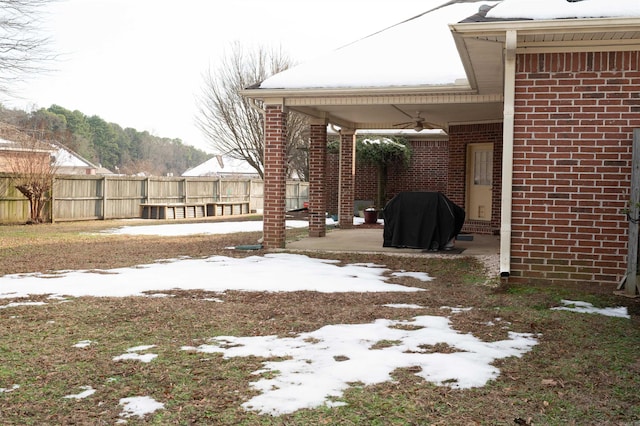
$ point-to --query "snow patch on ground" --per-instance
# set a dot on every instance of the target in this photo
(87, 391)
(139, 406)
(133, 355)
(317, 367)
(588, 308)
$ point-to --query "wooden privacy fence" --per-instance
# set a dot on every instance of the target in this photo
(80, 197)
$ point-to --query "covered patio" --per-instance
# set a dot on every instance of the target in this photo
(527, 101)
(417, 94)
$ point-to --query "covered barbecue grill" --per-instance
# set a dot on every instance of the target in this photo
(424, 220)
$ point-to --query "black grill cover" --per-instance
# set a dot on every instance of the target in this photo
(426, 220)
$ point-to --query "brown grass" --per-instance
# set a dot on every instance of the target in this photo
(585, 369)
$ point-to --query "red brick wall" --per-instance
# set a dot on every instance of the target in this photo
(575, 114)
(317, 166)
(331, 182)
(347, 180)
(459, 138)
(274, 177)
(427, 172)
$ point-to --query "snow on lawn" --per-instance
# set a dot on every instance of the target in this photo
(316, 367)
(132, 354)
(138, 406)
(178, 229)
(14, 304)
(588, 308)
(210, 228)
(319, 366)
(217, 273)
(87, 391)
(11, 389)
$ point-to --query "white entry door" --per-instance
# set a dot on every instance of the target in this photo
(479, 181)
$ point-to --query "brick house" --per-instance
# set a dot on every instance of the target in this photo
(20, 150)
(540, 117)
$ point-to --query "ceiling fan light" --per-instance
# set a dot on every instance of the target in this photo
(418, 127)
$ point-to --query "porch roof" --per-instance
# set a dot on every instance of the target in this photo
(439, 69)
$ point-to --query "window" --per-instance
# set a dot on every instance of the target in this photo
(483, 168)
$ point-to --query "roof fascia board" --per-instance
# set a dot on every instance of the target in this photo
(583, 25)
(27, 150)
(579, 46)
(467, 98)
(350, 91)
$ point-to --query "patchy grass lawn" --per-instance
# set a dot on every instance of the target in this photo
(585, 369)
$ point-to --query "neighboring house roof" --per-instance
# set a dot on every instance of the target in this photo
(65, 160)
(222, 166)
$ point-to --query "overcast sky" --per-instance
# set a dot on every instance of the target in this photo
(139, 63)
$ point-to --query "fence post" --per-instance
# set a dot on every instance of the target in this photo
(147, 189)
(104, 197)
(630, 281)
(52, 204)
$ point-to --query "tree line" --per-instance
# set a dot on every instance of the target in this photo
(125, 151)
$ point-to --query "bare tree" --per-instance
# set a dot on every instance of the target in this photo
(23, 51)
(32, 167)
(235, 127)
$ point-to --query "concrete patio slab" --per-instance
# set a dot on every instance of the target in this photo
(369, 240)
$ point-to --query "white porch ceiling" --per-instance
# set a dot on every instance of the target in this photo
(393, 115)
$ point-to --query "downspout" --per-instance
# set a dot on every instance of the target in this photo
(254, 105)
(511, 42)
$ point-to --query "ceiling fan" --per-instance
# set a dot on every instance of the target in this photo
(417, 122)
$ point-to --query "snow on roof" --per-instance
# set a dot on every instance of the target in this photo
(561, 9)
(421, 50)
(65, 158)
(417, 52)
(220, 165)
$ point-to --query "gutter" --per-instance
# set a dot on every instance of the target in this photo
(458, 87)
(511, 42)
(548, 26)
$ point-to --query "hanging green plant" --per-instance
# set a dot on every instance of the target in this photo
(382, 152)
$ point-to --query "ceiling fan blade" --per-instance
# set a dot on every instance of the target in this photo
(405, 113)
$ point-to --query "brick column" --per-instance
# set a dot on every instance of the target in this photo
(275, 131)
(317, 164)
(347, 178)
